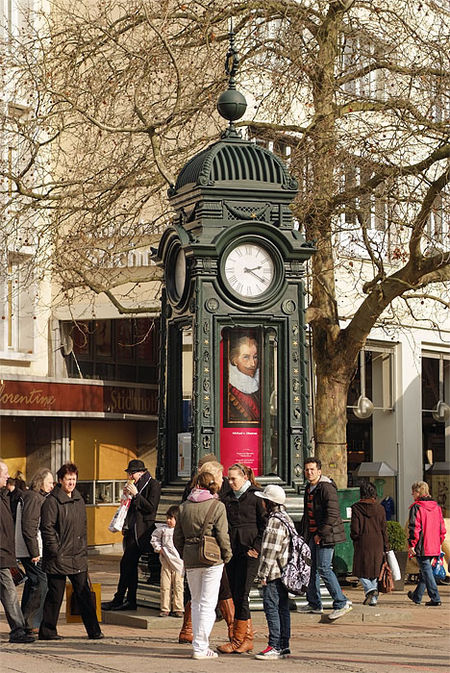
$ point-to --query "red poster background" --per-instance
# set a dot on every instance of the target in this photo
(241, 444)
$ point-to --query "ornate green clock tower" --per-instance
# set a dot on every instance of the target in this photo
(233, 339)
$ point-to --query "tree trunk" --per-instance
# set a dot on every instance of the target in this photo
(330, 421)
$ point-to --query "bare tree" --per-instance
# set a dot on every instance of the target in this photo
(118, 95)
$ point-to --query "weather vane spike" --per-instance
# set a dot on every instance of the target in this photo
(232, 60)
(231, 104)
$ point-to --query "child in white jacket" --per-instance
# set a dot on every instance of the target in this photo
(172, 568)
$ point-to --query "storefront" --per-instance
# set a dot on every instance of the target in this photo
(99, 426)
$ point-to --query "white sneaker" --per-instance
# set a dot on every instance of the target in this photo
(308, 609)
(335, 614)
(269, 654)
(209, 654)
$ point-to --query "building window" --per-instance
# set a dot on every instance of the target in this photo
(18, 303)
(438, 225)
(435, 388)
(366, 221)
(375, 379)
(112, 350)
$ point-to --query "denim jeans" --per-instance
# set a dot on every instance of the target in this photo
(10, 602)
(321, 559)
(34, 592)
(426, 581)
(276, 607)
(204, 585)
(369, 584)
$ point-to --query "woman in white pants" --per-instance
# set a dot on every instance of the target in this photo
(203, 580)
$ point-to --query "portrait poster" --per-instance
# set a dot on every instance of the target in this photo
(241, 396)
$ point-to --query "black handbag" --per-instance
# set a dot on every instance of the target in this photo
(74, 606)
(208, 550)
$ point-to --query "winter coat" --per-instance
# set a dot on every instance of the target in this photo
(191, 518)
(7, 551)
(330, 527)
(162, 543)
(64, 533)
(140, 520)
(32, 502)
(15, 497)
(426, 527)
(247, 520)
(368, 532)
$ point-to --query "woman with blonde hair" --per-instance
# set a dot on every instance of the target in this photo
(225, 602)
(202, 511)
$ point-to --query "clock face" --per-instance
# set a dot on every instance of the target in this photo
(249, 270)
(180, 273)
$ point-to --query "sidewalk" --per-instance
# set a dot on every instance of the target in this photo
(394, 636)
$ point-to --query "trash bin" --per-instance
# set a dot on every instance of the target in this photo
(343, 552)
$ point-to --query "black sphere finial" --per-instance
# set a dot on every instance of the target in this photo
(231, 104)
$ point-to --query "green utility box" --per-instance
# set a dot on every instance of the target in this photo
(343, 552)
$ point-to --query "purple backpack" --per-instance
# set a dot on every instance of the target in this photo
(296, 573)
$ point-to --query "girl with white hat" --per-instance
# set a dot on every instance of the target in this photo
(273, 558)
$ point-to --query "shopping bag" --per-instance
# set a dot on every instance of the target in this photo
(120, 515)
(385, 581)
(73, 614)
(393, 565)
(437, 566)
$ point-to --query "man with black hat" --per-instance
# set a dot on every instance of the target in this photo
(144, 492)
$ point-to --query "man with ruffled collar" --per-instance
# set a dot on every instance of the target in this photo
(243, 381)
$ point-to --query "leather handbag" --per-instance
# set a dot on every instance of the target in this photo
(385, 581)
(73, 612)
(208, 550)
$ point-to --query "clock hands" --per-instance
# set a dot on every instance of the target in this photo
(252, 271)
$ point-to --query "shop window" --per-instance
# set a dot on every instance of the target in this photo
(118, 486)
(86, 488)
(101, 492)
(104, 492)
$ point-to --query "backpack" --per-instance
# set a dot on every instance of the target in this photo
(296, 573)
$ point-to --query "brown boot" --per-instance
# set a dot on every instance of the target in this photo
(247, 643)
(226, 608)
(186, 635)
(239, 632)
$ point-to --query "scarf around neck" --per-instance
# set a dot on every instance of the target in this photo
(245, 487)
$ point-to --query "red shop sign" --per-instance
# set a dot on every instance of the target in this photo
(45, 396)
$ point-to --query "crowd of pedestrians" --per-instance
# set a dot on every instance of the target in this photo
(44, 527)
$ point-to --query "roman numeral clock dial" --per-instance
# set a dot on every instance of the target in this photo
(249, 270)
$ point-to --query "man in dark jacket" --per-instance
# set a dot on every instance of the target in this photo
(322, 528)
(8, 594)
(139, 525)
(64, 537)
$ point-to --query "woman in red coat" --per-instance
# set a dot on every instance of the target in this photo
(368, 532)
(426, 535)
